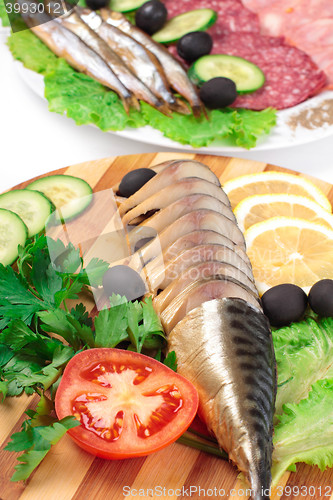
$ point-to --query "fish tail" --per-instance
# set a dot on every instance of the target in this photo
(130, 101)
(180, 107)
(165, 109)
(198, 109)
(261, 489)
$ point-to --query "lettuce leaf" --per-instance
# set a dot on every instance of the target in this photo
(304, 355)
(305, 431)
(250, 125)
(187, 129)
(28, 49)
(87, 102)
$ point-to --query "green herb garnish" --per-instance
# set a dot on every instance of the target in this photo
(34, 304)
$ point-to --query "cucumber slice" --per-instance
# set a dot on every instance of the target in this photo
(13, 232)
(178, 26)
(246, 75)
(70, 195)
(126, 5)
(33, 208)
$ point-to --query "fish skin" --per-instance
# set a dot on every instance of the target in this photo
(192, 203)
(74, 23)
(204, 290)
(143, 63)
(160, 275)
(196, 237)
(176, 74)
(237, 388)
(203, 270)
(168, 173)
(66, 44)
(192, 221)
(175, 192)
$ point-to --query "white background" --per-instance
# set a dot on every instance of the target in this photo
(35, 141)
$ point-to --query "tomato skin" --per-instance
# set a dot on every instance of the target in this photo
(79, 383)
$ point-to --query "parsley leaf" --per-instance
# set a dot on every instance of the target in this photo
(80, 313)
(3, 390)
(15, 292)
(136, 322)
(94, 271)
(111, 326)
(77, 333)
(65, 259)
(29, 359)
(44, 278)
(171, 361)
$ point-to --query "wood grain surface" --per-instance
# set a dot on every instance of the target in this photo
(173, 473)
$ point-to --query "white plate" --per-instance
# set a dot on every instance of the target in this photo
(282, 136)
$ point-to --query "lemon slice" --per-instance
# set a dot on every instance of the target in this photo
(289, 250)
(260, 207)
(273, 182)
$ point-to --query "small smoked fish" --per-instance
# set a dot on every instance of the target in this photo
(76, 25)
(137, 58)
(175, 73)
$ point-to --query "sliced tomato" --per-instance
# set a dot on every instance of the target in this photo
(129, 405)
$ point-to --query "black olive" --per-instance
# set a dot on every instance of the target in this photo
(218, 92)
(284, 304)
(134, 180)
(321, 297)
(151, 16)
(194, 45)
(124, 281)
(97, 4)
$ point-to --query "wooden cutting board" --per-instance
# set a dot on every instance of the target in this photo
(175, 472)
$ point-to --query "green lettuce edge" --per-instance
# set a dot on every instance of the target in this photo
(88, 102)
(305, 431)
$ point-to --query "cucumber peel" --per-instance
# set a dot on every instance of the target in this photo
(247, 76)
(31, 206)
(126, 5)
(70, 195)
(178, 26)
(13, 232)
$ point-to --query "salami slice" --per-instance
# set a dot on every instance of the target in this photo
(291, 78)
(245, 44)
(232, 15)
